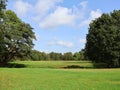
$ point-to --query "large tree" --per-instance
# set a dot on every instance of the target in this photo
(2, 10)
(17, 38)
(103, 39)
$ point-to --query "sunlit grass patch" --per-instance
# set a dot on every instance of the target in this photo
(48, 76)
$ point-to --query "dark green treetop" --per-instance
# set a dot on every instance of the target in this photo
(103, 39)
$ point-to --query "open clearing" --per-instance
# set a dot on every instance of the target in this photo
(47, 76)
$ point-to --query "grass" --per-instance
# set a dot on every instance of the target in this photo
(45, 76)
(52, 64)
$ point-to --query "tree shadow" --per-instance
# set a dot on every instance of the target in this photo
(100, 65)
(75, 67)
(94, 66)
(74, 62)
(16, 65)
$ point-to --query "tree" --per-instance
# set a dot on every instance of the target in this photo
(76, 56)
(43, 56)
(79, 55)
(55, 56)
(2, 46)
(103, 39)
(34, 55)
(82, 54)
(18, 37)
(68, 56)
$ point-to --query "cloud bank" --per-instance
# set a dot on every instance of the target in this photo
(49, 14)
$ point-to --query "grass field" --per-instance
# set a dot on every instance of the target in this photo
(52, 76)
(53, 64)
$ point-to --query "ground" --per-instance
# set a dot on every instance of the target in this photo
(45, 76)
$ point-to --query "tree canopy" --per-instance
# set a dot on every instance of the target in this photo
(2, 8)
(16, 36)
(103, 39)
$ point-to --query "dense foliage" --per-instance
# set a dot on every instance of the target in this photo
(16, 37)
(38, 56)
(2, 9)
(103, 39)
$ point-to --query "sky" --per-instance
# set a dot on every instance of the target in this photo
(61, 25)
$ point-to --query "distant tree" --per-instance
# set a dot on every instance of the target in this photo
(34, 55)
(68, 56)
(76, 56)
(43, 56)
(58, 56)
(55, 56)
(79, 55)
(52, 55)
(103, 39)
(82, 55)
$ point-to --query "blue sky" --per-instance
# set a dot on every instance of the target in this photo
(61, 25)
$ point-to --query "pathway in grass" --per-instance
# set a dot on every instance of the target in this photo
(59, 79)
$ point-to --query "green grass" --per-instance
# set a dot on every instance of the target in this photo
(53, 64)
(45, 76)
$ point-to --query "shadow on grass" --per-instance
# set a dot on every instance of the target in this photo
(100, 65)
(16, 65)
(74, 62)
(94, 66)
(72, 67)
(77, 67)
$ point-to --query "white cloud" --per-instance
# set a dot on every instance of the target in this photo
(61, 16)
(83, 41)
(66, 44)
(42, 7)
(49, 15)
(61, 43)
(21, 7)
(80, 10)
(93, 16)
(64, 16)
(84, 4)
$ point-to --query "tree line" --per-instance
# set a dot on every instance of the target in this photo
(38, 56)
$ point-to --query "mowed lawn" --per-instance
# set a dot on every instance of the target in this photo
(52, 78)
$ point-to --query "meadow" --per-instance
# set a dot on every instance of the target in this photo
(58, 75)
